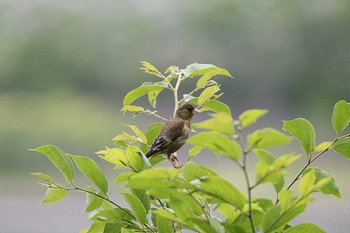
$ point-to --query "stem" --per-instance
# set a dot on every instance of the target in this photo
(310, 160)
(106, 199)
(189, 94)
(100, 196)
(246, 176)
(284, 213)
(156, 115)
(176, 98)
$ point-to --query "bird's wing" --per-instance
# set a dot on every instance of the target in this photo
(173, 129)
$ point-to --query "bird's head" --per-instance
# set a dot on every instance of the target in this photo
(186, 112)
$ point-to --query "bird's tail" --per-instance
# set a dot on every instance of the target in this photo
(149, 153)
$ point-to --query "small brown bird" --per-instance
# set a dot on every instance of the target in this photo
(174, 134)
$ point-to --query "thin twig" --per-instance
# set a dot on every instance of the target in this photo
(176, 89)
(156, 115)
(243, 166)
(310, 160)
(189, 94)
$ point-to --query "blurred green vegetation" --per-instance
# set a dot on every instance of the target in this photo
(64, 67)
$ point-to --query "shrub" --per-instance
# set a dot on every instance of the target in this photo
(194, 197)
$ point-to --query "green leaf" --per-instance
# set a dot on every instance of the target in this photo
(267, 137)
(207, 94)
(106, 216)
(163, 224)
(124, 230)
(59, 159)
(155, 178)
(132, 108)
(342, 146)
(196, 69)
(43, 176)
(195, 150)
(137, 207)
(92, 201)
(215, 223)
(124, 137)
(134, 158)
(215, 106)
(218, 143)
(111, 227)
(192, 171)
(251, 116)
(268, 171)
(209, 73)
(96, 227)
(223, 190)
(152, 131)
(323, 146)
(152, 97)
(92, 171)
(54, 194)
(143, 197)
(230, 213)
(150, 69)
(307, 182)
(341, 116)
(140, 91)
(138, 133)
(305, 228)
(116, 156)
(184, 206)
(220, 122)
(303, 130)
(167, 214)
(275, 217)
(330, 187)
(125, 176)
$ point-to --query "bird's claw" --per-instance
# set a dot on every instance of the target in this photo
(174, 160)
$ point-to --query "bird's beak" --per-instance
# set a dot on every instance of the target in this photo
(196, 111)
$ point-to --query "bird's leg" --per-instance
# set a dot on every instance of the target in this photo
(174, 160)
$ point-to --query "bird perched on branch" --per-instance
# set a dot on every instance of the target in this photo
(174, 134)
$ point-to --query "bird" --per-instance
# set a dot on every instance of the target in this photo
(174, 134)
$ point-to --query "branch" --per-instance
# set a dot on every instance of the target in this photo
(310, 160)
(243, 166)
(176, 89)
(149, 112)
(189, 94)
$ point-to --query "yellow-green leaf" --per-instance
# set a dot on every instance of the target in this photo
(304, 132)
(138, 133)
(343, 147)
(59, 159)
(150, 69)
(307, 182)
(54, 194)
(43, 176)
(195, 150)
(132, 108)
(218, 143)
(137, 207)
(323, 146)
(209, 73)
(341, 116)
(220, 122)
(207, 93)
(140, 91)
(251, 116)
(92, 171)
(267, 137)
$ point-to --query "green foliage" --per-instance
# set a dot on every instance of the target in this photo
(165, 200)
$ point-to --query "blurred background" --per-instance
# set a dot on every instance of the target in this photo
(66, 65)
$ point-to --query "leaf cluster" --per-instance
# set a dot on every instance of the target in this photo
(195, 197)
